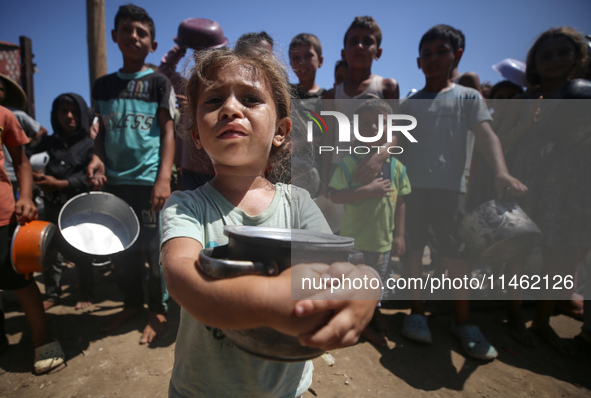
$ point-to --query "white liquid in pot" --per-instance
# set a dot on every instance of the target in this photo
(93, 238)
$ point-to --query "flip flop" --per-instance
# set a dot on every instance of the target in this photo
(473, 342)
(415, 328)
(48, 357)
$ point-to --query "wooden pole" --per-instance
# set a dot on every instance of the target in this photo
(97, 39)
(27, 68)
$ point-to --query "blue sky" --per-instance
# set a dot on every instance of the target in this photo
(494, 30)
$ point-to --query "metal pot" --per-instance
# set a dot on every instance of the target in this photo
(269, 251)
(33, 247)
(499, 230)
(96, 225)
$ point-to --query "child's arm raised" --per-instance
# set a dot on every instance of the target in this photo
(235, 303)
(161, 190)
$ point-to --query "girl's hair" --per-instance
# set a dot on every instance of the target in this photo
(263, 65)
(531, 72)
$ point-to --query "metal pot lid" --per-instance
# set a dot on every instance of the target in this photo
(287, 237)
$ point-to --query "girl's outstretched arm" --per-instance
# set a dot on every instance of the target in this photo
(236, 303)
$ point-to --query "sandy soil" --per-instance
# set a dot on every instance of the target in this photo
(115, 365)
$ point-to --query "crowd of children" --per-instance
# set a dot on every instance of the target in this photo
(239, 136)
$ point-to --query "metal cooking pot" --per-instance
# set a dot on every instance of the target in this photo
(96, 225)
(499, 230)
(33, 247)
(269, 251)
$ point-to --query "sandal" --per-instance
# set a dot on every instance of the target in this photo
(473, 342)
(48, 357)
(415, 328)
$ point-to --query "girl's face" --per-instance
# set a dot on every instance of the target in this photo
(68, 117)
(555, 58)
(236, 118)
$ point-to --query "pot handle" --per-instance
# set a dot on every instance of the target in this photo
(213, 261)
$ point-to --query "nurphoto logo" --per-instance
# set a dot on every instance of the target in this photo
(392, 125)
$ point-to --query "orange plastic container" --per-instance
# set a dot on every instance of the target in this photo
(34, 247)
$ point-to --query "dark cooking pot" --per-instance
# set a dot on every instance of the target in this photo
(96, 225)
(499, 230)
(269, 251)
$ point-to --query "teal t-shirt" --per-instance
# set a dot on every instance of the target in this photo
(370, 221)
(206, 363)
(129, 104)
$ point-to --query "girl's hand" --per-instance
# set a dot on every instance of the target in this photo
(352, 308)
(378, 188)
(25, 210)
(293, 324)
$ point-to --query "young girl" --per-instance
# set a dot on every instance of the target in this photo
(559, 200)
(239, 103)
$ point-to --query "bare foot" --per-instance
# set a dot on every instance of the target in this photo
(154, 328)
(121, 318)
(47, 304)
(84, 301)
(375, 337)
(548, 334)
(82, 304)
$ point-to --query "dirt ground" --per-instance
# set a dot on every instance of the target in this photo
(115, 365)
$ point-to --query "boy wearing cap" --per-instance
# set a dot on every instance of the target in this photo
(197, 34)
(133, 156)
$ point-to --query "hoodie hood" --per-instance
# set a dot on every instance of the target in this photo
(84, 127)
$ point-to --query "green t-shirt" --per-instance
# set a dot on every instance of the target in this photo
(370, 221)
